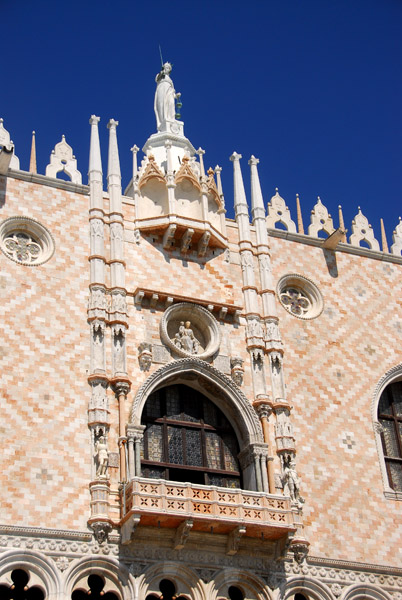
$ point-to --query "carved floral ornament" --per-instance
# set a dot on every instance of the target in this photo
(26, 241)
(300, 296)
(190, 330)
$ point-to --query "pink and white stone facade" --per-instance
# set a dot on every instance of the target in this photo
(81, 349)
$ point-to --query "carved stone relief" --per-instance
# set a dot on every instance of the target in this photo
(190, 330)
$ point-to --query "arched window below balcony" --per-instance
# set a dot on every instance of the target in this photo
(188, 438)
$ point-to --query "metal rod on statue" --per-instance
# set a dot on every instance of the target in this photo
(160, 52)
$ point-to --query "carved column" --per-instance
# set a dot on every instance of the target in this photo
(135, 434)
(98, 409)
(204, 189)
(222, 210)
(264, 410)
(170, 179)
(254, 332)
(121, 389)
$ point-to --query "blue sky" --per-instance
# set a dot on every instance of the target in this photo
(313, 88)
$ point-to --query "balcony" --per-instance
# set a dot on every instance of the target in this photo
(156, 502)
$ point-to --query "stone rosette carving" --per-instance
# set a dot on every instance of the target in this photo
(190, 330)
(300, 296)
(26, 241)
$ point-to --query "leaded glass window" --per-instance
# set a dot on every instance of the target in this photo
(187, 438)
(390, 418)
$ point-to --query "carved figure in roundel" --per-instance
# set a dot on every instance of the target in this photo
(185, 338)
(188, 329)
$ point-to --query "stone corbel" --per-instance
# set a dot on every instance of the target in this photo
(234, 540)
(186, 240)
(145, 356)
(299, 547)
(168, 236)
(182, 533)
(101, 530)
(128, 528)
(203, 243)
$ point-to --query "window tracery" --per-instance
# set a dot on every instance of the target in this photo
(187, 438)
(20, 589)
(390, 420)
(95, 590)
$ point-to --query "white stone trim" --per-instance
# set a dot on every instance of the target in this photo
(308, 586)
(394, 374)
(186, 580)
(117, 578)
(252, 586)
(364, 591)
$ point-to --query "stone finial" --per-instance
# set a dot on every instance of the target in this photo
(362, 231)
(8, 144)
(300, 226)
(278, 212)
(342, 223)
(384, 242)
(95, 161)
(32, 162)
(396, 247)
(62, 159)
(320, 220)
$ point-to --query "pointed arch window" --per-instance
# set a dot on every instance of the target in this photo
(390, 419)
(187, 438)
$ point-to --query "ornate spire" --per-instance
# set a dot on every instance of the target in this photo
(300, 226)
(32, 162)
(342, 224)
(384, 242)
(95, 161)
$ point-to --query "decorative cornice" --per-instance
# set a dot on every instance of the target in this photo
(49, 181)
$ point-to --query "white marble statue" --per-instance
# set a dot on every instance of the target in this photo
(165, 96)
(185, 338)
(102, 456)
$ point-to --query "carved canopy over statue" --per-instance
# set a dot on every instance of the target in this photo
(165, 96)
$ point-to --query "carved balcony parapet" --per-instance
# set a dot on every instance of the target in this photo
(167, 504)
(175, 226)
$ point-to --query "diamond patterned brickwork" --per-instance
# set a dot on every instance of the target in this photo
(44, 438)
(332, 366)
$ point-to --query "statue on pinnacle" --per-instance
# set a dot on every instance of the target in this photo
(165, 96)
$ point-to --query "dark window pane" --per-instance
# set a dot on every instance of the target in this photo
(154, 441)
(230, 451)
(210, 413)
(172, 402)
(193, 447)
(390, 439)
(152, 407)
(396, 475)
(175, 446)
(397, 395)
(213, 451)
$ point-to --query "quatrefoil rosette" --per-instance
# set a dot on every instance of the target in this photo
(300, 296)
(26, 241)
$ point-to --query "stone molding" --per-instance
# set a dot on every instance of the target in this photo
(49, 181)
(246, 415)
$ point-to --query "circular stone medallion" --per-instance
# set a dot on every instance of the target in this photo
(190, 330)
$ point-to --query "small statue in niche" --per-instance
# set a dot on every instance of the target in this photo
(291, 481)
(185, 338)
(102, 457)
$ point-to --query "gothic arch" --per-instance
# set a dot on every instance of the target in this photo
(42, 572)
(314, 590)
(253, 587)
(117, 577)
(392, 375)
(363, 592)
(186, 580)
(214, 384)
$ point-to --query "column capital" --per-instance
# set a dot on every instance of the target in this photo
(120, 386)
(253, 160)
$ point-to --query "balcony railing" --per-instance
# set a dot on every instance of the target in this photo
(167, 503)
